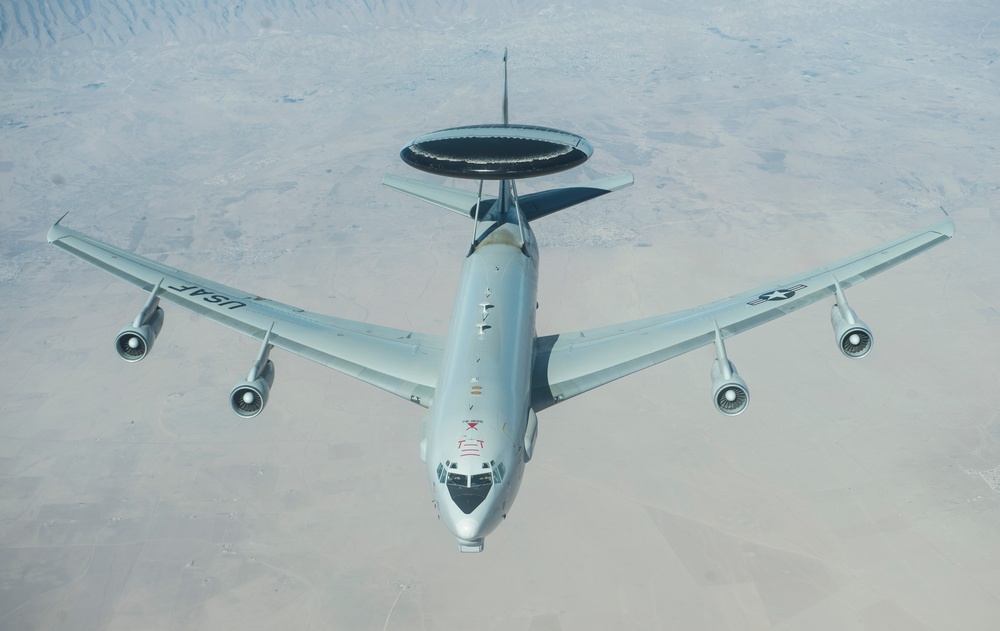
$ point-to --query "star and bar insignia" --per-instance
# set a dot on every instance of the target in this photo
(777, 294)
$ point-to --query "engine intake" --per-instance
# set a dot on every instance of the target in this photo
(729, 392)
(856, 342)
(248, 398)
(134, 342)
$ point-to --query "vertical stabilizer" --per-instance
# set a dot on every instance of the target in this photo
(506, 120)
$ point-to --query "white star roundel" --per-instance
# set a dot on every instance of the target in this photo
(776, 294)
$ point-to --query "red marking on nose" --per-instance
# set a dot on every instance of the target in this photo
(470, 447)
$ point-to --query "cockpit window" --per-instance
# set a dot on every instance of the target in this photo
(440, 473)
(499, 472)
(482, 479)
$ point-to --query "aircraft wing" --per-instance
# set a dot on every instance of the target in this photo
(569, 364)
(403, 363)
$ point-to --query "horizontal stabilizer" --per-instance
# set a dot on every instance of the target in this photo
(533, 205)
(453, 199)
(537, 205)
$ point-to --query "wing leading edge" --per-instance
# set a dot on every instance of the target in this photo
(569, 364)
(401, 362)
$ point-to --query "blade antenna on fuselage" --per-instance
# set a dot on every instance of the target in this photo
(517, 209)
(506, 120)
(475, 223)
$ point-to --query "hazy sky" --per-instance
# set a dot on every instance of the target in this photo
(247, 145)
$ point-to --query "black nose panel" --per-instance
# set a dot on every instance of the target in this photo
(467, 498)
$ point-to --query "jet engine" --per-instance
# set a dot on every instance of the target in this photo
(134, 342)
(729, 392)
(249, 397)
(853, 336)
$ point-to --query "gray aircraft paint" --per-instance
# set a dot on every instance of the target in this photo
(481, 403)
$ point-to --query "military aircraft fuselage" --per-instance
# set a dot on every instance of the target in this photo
(474, 437)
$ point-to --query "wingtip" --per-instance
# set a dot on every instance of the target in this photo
(949, 223)
(56, 232)
(613, 183)
(948, 227)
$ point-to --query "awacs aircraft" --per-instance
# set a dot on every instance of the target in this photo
(483, 383)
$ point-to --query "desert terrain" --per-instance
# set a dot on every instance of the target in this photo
(247, 144)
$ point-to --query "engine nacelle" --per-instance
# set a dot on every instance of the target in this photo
(248, 398)
(729, 392)
(134, 342)
(854, 338)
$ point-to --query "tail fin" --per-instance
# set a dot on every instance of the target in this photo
(506, 118)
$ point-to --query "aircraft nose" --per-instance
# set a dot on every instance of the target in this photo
(469, 538)
(467, 529)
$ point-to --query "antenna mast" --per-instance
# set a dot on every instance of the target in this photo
(506, 120)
